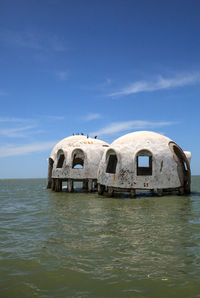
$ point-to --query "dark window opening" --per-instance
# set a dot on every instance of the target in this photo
(112, 164)
(185, 165)
(144, 165)
(181, 158)
(60, 161)
(78, 160)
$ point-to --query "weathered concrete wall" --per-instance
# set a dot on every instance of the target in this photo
(166, 170)
(164, 167)
(92, 149)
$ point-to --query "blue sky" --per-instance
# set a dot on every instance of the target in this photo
(103, 68)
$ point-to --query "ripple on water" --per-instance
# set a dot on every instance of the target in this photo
(84, 245)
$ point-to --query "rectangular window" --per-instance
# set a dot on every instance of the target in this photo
(144, 165)
(143, 161)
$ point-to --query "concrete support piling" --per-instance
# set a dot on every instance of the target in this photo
(100, 189)
(110, 191)
(58, 185)
(53, 184)
(50, 169)
(70, 185)
(160, 192)
(95, 184)
(85, 185)
(90, 185)
(181, 191)
(132, 193)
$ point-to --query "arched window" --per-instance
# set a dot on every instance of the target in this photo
(144, 163)
(111, 159)
(78, 159)
(183, 166)
(60, 158)
(182, 157)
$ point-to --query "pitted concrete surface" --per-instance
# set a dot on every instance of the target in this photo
(164, 166)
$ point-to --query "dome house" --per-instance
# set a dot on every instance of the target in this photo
(144, 160)
(75, 158)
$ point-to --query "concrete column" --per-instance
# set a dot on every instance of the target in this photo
(70, 185)
(53, 184)
(100, 189)
(58, 185)
(95, 184)
(160, 192)
(132, 193)
(50, 168)
(110, 191)
(181, 191)
(90, 185)
(85, 184)
(187, 187)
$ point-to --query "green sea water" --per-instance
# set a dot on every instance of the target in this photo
(85, 245)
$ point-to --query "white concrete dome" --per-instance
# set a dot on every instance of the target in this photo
(75, 158)
(74, 141)
(140, 136)
(144, 160)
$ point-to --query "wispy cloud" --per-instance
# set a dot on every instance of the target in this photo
(16, 132)
(20, 39)
(160, 83)
(13, 150)
(30, 40)
(13, 127)
(92, 116)
(117, 127)
(62, 75)
(13, 119)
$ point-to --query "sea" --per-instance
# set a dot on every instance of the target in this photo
(85, 245)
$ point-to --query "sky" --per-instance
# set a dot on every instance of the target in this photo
(102, 68)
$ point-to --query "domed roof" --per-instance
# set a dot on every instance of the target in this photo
(141, 136)
(75, 141)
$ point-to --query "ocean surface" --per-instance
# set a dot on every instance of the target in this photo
(85, 245)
